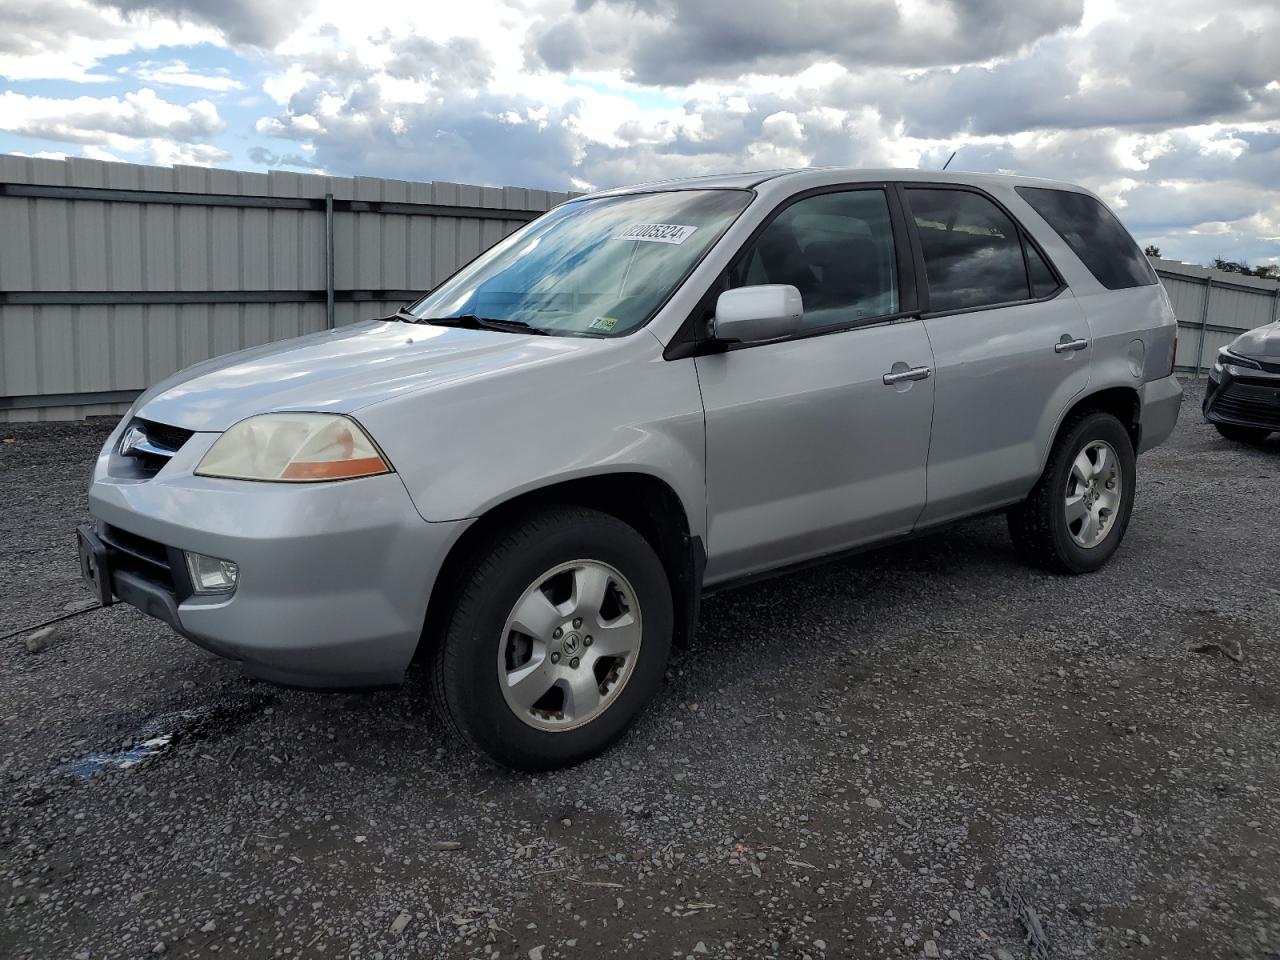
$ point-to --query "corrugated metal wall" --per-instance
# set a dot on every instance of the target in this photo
(114, 275)
(104, 293)
(1214, 307)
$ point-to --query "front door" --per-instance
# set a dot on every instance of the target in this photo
(809, 449)
(1011, 349)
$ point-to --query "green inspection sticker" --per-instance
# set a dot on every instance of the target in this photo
(604, 323)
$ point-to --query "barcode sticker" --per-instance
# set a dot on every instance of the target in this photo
(656, 232)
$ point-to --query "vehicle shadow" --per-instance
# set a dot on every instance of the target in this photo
(792, 624)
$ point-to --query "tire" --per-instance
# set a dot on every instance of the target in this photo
(1242, 434)
(553, 557)
(1042, 532)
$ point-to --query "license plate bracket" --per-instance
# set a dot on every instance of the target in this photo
(95, 567)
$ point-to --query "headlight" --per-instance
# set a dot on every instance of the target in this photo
(294, 448)
(1227, 358)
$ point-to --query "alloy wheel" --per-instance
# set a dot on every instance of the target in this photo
(569, 645)
(1095, 486)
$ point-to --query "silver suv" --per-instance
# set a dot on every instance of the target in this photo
(531, 476)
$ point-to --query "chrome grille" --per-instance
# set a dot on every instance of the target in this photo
(171, 438)
(152, 444)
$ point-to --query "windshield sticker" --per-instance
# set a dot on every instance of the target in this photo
(604, 323)
(656, 232)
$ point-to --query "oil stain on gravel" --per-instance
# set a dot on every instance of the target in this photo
(152, 738)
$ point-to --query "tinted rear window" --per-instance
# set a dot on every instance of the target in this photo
(1094, 235)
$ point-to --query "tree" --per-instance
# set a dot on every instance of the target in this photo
(1232, 266)
(1267, 272)
(1151, 250)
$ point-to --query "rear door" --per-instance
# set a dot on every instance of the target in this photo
(1011, 348)
(809, 449)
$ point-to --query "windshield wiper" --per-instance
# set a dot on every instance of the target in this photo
(472, 322)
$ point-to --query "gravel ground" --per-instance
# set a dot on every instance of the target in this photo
(919, 752)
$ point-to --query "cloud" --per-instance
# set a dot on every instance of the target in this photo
(1168, 108)
(93, 153)
(89, 119)
(67, 39)
(166, 153)
(471, 140)
(682, 41)
(29, 27)
(139, 125)
(1153, 77)
(1129, 104)
(1193, 207)
(414, 107)
(457, 62)
(241, 21)
(269, 158)
(175, 73)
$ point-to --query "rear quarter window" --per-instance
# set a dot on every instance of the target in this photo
(1094, 235)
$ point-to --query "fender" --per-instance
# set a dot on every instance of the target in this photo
(619, 408)
(1133, 335)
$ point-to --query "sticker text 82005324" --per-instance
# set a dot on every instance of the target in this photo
(655, 232)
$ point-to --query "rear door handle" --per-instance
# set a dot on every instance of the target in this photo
(1067, 345)
(902, 376)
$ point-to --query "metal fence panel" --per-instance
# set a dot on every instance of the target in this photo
(1214, 307)
(115, 275)
(103, 294)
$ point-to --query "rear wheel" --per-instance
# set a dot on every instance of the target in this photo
(1242, 434)
(1077, 514)
(558, 639)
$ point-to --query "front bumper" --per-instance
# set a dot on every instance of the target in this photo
(1243, 397)
(334, 577)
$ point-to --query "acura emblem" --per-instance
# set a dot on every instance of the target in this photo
(133, 438)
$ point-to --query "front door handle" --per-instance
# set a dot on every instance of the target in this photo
(903, 376)
(1067, 345)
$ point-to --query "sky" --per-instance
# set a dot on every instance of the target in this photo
(1168, 109)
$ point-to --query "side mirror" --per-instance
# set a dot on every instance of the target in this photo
(756, 314)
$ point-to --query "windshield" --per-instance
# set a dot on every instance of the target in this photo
(593, 268)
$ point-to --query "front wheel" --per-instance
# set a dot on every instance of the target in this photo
(558, 639)
(1242, 434)
(1077, 514)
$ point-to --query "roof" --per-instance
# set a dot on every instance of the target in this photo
(747, 180)
(715, 181)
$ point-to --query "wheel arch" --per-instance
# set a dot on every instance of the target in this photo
(643, 501)
(1121, 402)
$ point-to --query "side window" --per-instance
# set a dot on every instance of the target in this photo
(1043, 282)
(972, 250)
(836, 249)
(1094, 235)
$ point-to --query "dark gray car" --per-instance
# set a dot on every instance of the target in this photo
(1242, 398)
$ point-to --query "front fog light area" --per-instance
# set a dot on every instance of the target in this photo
(211, 575)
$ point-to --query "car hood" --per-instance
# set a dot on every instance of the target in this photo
(1260, 344)
(340, 371)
